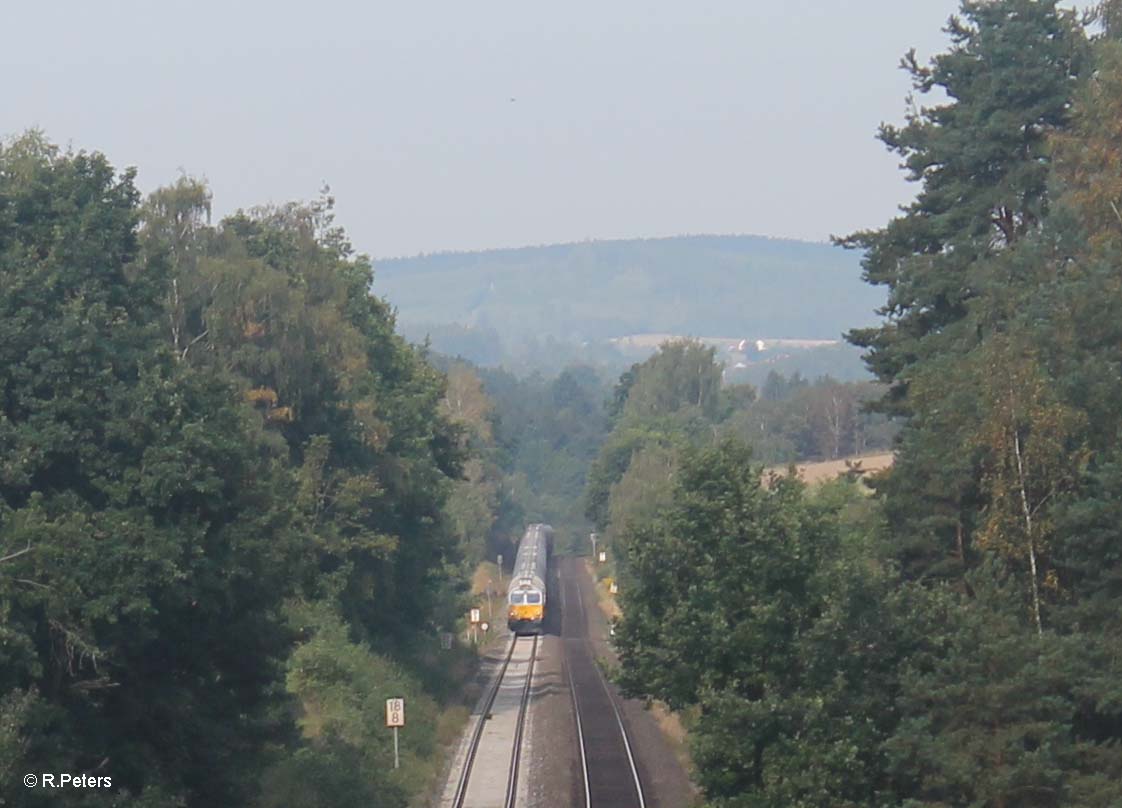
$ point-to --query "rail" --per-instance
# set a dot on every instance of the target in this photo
(461, 795)
(609, 770)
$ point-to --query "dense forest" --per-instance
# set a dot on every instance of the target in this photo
(532, 440)
(952, 639)
(237, 509)
(677, 400)
(224, 481)
(550, 448)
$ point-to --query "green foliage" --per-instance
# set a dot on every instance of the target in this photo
(199, 424)
(615, 457)
(16, 707)
(143, 614)
(474, 502)
(683, 374)
(954, 640)
(796, 420)
(329, 774)
(1010, 77)
(547, 433)
(670, 400)
(347, 754)
(971, 260)
(750, 603)
(990, 713)
(642, 491)
(285, 309)
(677, 399)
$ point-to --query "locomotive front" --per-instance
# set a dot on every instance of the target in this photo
(527, 593)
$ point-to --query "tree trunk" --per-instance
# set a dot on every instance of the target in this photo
(1028, 529)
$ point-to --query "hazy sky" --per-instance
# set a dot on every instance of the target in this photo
(629, 117)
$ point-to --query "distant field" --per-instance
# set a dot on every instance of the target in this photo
(751, 359)
(812, 473)
(651, 341)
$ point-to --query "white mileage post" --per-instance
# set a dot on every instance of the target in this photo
(474, 618)
(395, 717)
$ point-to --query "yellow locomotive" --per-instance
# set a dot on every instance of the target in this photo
(526, 596)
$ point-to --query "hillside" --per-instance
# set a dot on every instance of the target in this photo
(591, 292)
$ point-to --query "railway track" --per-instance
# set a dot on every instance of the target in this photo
(609, 772)
(489, 777)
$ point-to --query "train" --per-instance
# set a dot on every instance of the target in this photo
(526, 596)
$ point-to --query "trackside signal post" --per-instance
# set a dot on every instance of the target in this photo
(395, 717)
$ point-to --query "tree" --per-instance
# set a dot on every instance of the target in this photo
(277, 298)
(833, 419)
(967, 255)
(143, 618)
(474, 500)
(671, 399)
(174, 219)
(744, 603)
(681, 375)
(982, 159)
(639, 496)
(817, 677)
(989, 712)
(1031, 456)
(200, 426)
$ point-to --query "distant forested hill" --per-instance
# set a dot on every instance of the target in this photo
(735, 285)
(545, 307)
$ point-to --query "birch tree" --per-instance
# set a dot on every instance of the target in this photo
(1031, 454)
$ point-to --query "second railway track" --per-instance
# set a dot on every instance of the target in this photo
(608, 768)
(489, 777)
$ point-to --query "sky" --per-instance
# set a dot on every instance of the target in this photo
(451, 126)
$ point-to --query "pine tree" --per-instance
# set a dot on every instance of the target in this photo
(963, 255)
(982, 161)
